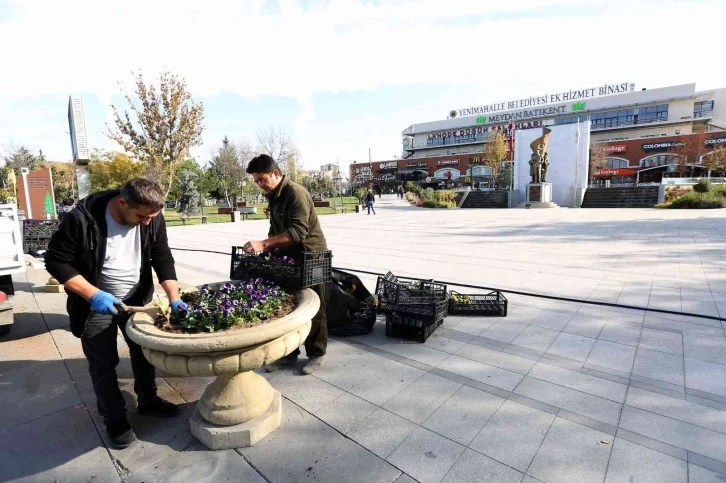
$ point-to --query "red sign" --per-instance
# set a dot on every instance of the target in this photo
(616, 148)
(607, 172)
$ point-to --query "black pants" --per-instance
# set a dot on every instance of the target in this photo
(317, 341)
(102, 354)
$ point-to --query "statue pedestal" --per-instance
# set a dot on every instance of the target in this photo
(539, 195)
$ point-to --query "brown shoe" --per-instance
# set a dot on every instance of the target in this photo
(312, 365)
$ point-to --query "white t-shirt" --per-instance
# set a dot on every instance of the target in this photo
(121, 269)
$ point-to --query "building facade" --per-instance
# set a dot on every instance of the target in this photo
(443, 151)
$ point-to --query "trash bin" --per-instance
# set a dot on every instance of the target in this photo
(235, 216)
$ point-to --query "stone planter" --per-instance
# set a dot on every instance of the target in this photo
(239, 407)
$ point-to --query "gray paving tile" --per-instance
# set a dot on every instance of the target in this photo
(662, 341)
(585, 326)
(677, 433)
(572, 346)
(580, 382)
(404, 478)
(345, 412)
(534, 404)
(612, 355)
(473, 326)
(605, 373)
(444, 344)
(697, 474)
(571, 400)
(553, 320)
(496, 358)
(588, 422)
(63, 446)
(463, 415)
(503, 331)
(473, 467)
(426, 456)
(681, 409)
(310, 393)
(382, 432)
(455, 334)
(654, 444)
(706, 376)
(419, 400)
(386, 383)
(620, 332)
(708, 463)
(417, 352)
(536, 338)
(197, 463)
(657, 389)
(630, 462)
(659, 366)
(471, 383)
(562, 362)
(705, 402)
(705, 348)
(513, 435)
(34, 392)
(529, 479)
(487, 374)
(306, 449)
(571, 454)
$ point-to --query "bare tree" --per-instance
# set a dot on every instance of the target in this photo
(495, 151)
(168, 124)
(277, 142)
(715, 161)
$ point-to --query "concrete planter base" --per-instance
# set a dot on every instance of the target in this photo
(239, 435)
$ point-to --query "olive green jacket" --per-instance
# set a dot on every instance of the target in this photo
(292, 211)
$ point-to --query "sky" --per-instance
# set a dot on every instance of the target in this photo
(343, 76)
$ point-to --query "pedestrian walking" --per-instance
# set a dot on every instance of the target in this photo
(103, 253)
(294, 229)
(370, 199)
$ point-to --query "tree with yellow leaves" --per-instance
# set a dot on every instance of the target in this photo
(167, 124)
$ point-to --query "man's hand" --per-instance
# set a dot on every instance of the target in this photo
(104, 303)
(254, 246)
(178, 305)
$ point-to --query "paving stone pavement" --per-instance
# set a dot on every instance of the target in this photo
(555, 392)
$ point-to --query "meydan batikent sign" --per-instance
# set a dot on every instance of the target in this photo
(546, 99)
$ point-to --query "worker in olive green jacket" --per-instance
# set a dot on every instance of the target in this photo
(294, 228)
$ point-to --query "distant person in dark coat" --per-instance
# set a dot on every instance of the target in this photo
(370, 199)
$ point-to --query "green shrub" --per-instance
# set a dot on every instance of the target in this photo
(444, 196)
(429, 204)
(719, 190)
(703, 186)
(412, 188)
(692, 200)
(428, 194)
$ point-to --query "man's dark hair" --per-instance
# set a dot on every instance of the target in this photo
(67, 202)
(263, 164)
(143, 192)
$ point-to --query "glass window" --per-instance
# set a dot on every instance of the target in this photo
(659, 160)
(703, 109)
(617, 162)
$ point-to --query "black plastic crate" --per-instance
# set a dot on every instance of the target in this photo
(493, 304)
(429, 311)
(400, 290)
(410, 328)
(40, 228)
(33, 244)
(311, 268)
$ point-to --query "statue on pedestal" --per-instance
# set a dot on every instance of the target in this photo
(540, 160)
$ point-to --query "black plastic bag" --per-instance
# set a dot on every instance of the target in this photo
(350, 310)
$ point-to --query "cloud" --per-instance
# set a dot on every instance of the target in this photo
(297, 49)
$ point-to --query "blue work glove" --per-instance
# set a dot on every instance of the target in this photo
(178, 305)
(104, 303)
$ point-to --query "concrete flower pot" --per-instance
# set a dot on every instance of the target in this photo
(239, 407)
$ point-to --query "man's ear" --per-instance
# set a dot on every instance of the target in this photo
(276, 173)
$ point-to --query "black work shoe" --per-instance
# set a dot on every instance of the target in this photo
(121, 434)
(282, 363)
(159, 407)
